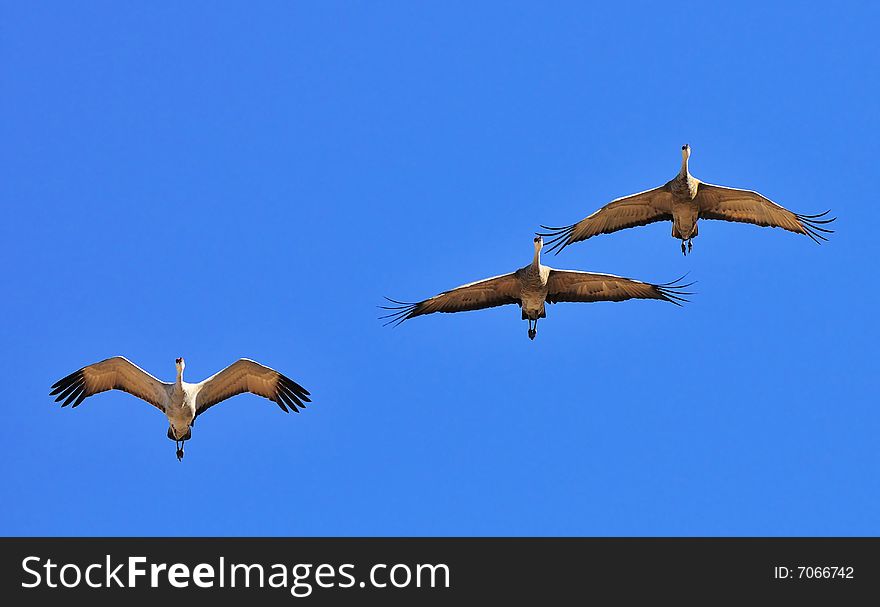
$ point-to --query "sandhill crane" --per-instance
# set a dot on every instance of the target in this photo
(531, 287)
(684, 200)
(181, 401)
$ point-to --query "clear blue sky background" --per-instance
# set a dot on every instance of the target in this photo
(212, 181)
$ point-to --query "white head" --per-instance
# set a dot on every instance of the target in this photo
(539, 243)
(180, 363)
(685, 152)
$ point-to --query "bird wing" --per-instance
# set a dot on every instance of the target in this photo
(570, 285)
(746, 206)
(488, 293)
(115, 373)
(627, 212)
(246, 375)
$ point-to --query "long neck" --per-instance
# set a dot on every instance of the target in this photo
(684, 164)
(536, 262)
(179, 382)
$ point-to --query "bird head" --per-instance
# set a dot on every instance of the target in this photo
(180, 363)
(539, 242)
(685, 151)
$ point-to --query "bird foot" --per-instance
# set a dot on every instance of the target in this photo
(532, 333)
(683, 249)
(180, 455)
(690, 246)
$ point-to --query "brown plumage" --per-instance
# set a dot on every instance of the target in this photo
(684, 200)
(248, 376)
(531, 287)
(181, 402)
(115, 373)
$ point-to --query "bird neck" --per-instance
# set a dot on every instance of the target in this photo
(684, 165)
(536, 262)
(179, 382)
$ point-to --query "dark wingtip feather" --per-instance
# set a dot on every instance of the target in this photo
(675, 282)
(399, 312)
(819, 216)
(674, 291)
(80, 398)
(70, 389)
(294, 388)
(559, 238)
(75, 395)
(65, 381)
(814, 225)
(291, 394)
(289, 400)
(65, 390)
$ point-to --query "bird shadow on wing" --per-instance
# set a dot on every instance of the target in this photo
(399, 312)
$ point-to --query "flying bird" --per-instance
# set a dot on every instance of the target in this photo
(684, 200)
(533, 286)
(180, 401)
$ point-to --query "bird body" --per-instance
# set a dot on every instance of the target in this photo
(181, 402)
(683, 187)
(532, 287)
(181, 407)
(533, 280)
(684, 200)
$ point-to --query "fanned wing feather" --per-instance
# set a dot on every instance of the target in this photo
(747, 206)
(627, 212)
(246, 375)
(488, 293)
(115, 373)
(570, 285)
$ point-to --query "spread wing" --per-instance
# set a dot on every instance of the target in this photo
(627, 212)
(570, 285)
(115, 373)
(488, 293)
(246, 375)
(746, 206)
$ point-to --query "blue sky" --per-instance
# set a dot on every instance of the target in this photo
(218, 181)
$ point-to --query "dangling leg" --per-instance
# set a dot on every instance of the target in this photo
(179, 445)
(690, 244)
(533, 331)
(683, 250)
